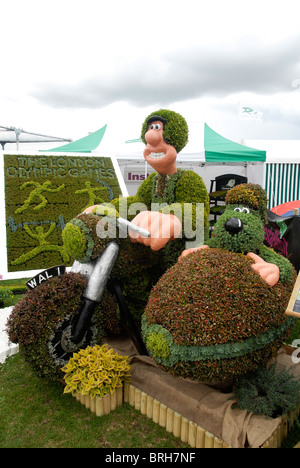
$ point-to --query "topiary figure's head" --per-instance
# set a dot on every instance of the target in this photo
(251, 195)
(175, 129)
(165, 134)
(241, 227)
(86, 236)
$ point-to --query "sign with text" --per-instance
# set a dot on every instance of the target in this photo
(293, 307)
(45, 275)
(135, 175)
(43, 193)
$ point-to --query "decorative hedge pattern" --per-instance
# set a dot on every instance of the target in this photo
(43, 193)
(166, 352)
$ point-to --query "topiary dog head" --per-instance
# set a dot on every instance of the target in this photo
(241, 227)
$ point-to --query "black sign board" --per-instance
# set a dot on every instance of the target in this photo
(45, 275)
(293, 307)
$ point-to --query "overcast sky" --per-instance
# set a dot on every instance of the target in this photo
(69, 67)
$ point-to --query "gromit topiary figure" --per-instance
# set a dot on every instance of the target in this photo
(219, 312)
(165, 205)
(241, 229)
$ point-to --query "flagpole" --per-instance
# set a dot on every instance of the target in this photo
(239, 122)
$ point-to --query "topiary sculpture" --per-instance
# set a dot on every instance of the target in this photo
(212, 316)
(38, 323)
(165, 133)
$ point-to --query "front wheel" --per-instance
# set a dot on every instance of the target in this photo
(40, 323)
(60, 344)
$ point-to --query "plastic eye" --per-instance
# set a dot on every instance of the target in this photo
(155, 127)
(240, 210)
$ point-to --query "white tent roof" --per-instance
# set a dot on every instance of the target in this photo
(280, 151)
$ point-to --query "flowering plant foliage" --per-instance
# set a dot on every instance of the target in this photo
(272, 239)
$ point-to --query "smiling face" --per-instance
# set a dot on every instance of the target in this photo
(160, 155)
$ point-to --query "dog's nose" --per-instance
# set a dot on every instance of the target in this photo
(233, 226)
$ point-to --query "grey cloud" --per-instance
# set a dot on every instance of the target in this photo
(184, 74)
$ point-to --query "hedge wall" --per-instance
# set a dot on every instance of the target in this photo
(42, 193)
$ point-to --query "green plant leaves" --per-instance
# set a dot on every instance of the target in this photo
(96, 370)
(268, 391)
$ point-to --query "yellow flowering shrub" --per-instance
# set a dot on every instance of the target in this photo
(96, 371)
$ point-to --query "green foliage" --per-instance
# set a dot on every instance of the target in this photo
(122, 206)
(96, 371)
(248, 203)
(76, 239)
(213, 300)
(42, 194)
(250, 239)
(251, 195)
(17, 287)
(191, 189)
(175, 130)
(145, 191)
(138, 267)
(41, 311)
(4, 294)
(268, 391)
(158, 340)
(80, 237)
(105, 209)
(184, 190)
(284, 265)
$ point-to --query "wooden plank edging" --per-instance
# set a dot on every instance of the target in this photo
(189, 432)
(282, 430)
(101, 406)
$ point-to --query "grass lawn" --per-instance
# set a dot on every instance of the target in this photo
(36, 414)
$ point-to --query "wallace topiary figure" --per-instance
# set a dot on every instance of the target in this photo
(170, 204)
(219, 312)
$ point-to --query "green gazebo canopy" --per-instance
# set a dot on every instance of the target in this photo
(220, 149)
(83, 145)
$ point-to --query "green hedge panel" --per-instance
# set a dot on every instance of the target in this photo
(43, 193)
